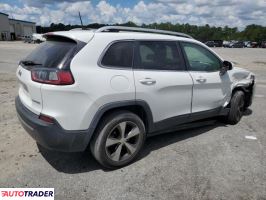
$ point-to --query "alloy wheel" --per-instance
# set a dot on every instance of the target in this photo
(122, 141)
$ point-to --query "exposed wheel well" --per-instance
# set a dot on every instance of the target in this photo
(246, 92)
(238, 89)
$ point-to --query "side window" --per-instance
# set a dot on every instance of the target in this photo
(200, 58)
(119, 54)
(158, 55)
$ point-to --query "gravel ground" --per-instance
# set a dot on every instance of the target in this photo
(212, 162)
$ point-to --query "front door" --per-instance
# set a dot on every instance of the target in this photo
(211, 90)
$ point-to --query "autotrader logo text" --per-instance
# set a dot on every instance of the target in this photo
(27, 193)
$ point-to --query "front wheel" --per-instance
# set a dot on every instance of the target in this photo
(237, 107)
(118, 139)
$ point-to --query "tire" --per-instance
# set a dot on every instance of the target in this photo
(237, 107)
(108, 145)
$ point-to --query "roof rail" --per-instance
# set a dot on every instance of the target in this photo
(134, 29)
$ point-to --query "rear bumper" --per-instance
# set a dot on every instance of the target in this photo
(51, 136)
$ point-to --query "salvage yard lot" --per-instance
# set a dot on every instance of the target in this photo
(212, 162)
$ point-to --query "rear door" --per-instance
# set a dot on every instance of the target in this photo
(53, 53)
(161, 79)
(210, 90)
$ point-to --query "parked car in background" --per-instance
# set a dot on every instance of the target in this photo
(229, 44)
(27, 39)
(263, 44)
(211, 44)
(226, 44)
(218, 43)
(37, 38)
(247, 44)
(254, 44)
(237, 45)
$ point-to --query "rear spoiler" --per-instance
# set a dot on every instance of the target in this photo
(76, 36)
(52, 36)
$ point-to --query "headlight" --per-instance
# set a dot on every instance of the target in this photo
(252, 77)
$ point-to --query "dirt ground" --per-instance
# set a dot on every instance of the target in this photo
(213, 162)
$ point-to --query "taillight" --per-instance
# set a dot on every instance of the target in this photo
(52, 76)
(46, 118)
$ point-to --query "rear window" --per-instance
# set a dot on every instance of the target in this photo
(52, 54)
(119, 54)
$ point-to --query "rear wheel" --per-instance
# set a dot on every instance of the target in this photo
(118, 140)
(237, 107)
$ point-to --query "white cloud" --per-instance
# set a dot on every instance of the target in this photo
(217, 12)
(106, 9)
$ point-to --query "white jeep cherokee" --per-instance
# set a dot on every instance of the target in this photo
(112, 87)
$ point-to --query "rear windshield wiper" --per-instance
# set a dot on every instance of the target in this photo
(29, 63)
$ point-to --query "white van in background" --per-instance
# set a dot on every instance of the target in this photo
(38, 38)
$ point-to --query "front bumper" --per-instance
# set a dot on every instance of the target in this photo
(250, 91)
(51, 136)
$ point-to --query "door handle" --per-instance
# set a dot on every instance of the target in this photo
(201, 79)
(147, 81)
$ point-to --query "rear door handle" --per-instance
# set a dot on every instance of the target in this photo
(201, 79)
(147, 81)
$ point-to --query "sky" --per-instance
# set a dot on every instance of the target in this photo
(233, 13)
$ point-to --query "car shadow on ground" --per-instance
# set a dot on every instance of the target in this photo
(160, 141)
(70, 163)
(73, 163)
(247, 112)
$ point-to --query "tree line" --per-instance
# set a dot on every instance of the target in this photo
(251, 32)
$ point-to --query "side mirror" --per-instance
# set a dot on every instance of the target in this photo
(226, 66)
